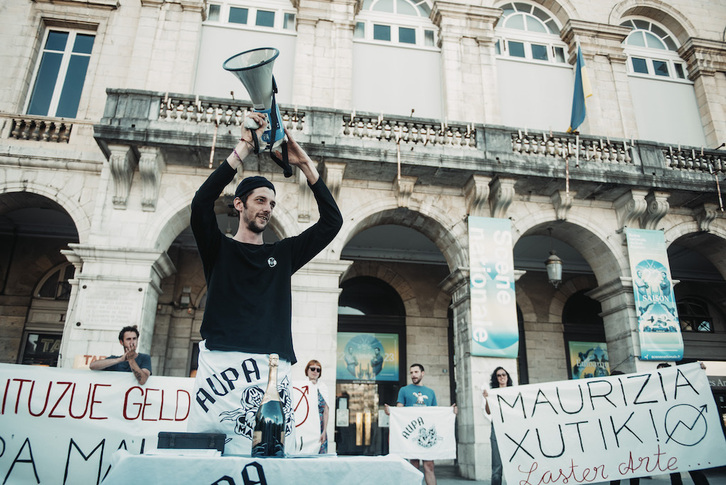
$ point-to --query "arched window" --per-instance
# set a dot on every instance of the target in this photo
(366, 295)
(54, 285)
(587, 351)
(258, 15)
(529, 32)
(581, 310)
(694, 315)
(652, 51)
(403, 22)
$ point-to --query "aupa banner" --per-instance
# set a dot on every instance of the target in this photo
(423, 432)
(61, 426)
(610, 428)
(495, 332)
(655, 303)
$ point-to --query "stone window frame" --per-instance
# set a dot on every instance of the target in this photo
(218, 13)
(511, 38)
(68, 53)
(692, 309)
(65, 272)
(665, 54)
(396, 17)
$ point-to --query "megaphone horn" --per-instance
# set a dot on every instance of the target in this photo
(254, 69)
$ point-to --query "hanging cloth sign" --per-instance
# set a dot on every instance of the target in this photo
(491, 281)
(655, 303)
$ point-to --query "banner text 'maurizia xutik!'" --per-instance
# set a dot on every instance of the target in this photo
(596, 394)
(592, 416)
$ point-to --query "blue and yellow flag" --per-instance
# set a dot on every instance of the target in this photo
(582, 92)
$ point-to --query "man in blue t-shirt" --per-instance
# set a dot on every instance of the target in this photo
(130, 361)
(416, 394)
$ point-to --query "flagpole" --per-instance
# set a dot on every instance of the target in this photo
(567, 172)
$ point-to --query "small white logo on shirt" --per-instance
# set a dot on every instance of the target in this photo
(272, 262)
(420, 398)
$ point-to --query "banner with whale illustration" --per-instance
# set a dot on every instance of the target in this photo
(423, 432)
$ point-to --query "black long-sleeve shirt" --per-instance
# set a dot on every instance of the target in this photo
(249, 291)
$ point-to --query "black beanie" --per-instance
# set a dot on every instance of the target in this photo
(251, 183)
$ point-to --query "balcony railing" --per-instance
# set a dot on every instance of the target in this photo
(40, 129)
(445, 153)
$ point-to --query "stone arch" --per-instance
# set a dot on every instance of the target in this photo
(44, 277)
(569, 288)
(389, 276)
(427, 221)
(598, 245)
(710, 244)
(525, 305)
(562, 10)
(661, 12)
(81, 220)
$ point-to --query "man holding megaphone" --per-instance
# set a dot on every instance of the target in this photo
(249, 293)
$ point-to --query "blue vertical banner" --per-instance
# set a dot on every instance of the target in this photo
(655, 303)
(491, 278)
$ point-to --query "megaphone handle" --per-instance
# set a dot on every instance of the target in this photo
(255, 141)
(251, 124)
(284, 162)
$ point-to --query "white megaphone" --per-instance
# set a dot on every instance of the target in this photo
(254, 69)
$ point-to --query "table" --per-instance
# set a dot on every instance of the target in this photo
(243, 470)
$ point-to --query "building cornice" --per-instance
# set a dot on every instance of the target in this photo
(595, 38)
(462, 20)
(703, 56)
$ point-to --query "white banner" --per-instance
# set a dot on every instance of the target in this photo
(61, 426)
(307, 418)
(240, 470)
(610, 428)
(423, 432)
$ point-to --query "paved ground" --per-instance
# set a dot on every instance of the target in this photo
(446, 475)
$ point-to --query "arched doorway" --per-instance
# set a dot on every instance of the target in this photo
(34, 291)
(584, 332)
(371, 337)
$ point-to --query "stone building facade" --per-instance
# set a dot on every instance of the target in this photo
(420, 114)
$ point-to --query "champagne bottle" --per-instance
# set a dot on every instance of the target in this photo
(268, 437)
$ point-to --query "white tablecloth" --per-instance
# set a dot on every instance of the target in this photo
(231, 470)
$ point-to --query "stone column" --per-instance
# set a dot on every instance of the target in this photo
(706, 60)
(474, 448)
(605, 62)
(621, 323)
(113, 288)
(466, 39)
(324, 53)
(315, 291)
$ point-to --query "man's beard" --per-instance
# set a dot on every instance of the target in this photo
(252, 226)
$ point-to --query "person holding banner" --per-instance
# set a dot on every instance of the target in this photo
(313, 371)
(249, 298)
(696, 475)
(131, 361)
(416, 394)
(499, 378)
